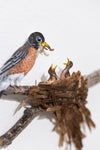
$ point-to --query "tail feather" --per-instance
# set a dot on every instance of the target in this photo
(1, 93)
(4, 83)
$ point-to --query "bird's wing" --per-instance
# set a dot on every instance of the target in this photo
(19, 55)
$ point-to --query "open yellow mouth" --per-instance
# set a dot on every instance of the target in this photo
(45, 45)
(67, 62)
(52, 67)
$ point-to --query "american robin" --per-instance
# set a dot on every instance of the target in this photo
(22, 61)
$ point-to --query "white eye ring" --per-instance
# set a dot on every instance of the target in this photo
(38, 39)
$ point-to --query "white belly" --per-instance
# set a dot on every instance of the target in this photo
(12, 80)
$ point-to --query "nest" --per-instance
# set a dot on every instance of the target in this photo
(67, 100)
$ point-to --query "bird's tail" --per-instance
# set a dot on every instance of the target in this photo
(1, 93)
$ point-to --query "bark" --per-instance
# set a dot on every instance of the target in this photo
(22, 123)
(93, 78)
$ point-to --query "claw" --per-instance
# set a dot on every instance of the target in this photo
(67, 62)
(52, 67)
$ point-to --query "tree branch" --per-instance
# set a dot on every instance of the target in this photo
(21, 124)
(93, 78)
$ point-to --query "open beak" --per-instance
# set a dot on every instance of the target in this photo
(67, 64)
(45, 45)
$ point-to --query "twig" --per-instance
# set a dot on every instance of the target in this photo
(11, 134)
(93, 78)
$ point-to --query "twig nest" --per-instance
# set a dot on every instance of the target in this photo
(67, 100)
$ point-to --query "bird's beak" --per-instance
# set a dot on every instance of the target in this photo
(52, 67)
(67, 62)
(45, 45)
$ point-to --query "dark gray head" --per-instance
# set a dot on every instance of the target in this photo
(35, 39)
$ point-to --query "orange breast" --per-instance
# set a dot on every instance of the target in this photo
(26, 64)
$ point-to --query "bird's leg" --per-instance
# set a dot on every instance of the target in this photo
(20, 89)
(15, 89)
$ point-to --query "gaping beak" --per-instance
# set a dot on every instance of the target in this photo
(52, 67)
(45, 45)
(67, 62)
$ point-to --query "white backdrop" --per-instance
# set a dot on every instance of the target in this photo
(73, 29)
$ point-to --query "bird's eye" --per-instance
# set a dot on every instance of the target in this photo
(38, 39)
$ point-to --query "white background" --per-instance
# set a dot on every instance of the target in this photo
(73, 29)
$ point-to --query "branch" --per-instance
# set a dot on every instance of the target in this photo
(11, 134)
(93, 78)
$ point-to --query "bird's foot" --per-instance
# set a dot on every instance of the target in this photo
(23, 90)
(19, 89)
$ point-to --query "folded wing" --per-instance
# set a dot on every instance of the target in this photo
(18, 56)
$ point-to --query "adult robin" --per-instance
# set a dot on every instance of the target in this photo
(22, 61)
